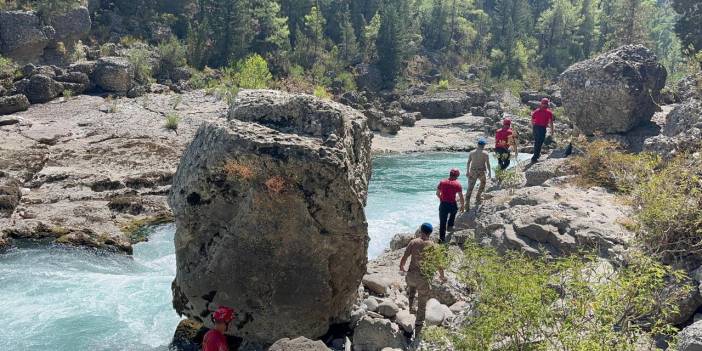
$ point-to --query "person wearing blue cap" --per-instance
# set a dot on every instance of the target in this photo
(478, 165)
(417, 283)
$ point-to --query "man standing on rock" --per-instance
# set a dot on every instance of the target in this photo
(214, 339)
(446, 191)
(478, 165)
(417, 283)
(504, 139)
(541, 118)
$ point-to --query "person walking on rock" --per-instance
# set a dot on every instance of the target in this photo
(214, 339)
(478, 165)
(417, 284)
(541, 118)
(446, 191)
(504, 139)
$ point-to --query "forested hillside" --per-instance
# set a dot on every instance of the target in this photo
(529, 40)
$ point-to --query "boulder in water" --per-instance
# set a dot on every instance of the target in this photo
(613, 92)
(269, 211)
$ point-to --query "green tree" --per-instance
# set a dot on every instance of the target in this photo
(254, 73)
(689, 24)
(627, 22)
(349, 43)
(391, 41)
(558, 32)
(510, 20)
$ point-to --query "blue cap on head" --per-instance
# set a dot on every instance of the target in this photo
(427, 228)
(482, 141)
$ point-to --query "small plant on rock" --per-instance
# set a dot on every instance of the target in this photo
(238, 170)
(172, 121)
(68, 94)
(443, 85)
(322, 93)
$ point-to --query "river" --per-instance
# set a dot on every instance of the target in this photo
(73, 299)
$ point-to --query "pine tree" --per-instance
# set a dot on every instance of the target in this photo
(348, 44)
(689, 24)
(510, 20)
(588, 31)
(391, 40)
(557, 31)
(627, 22)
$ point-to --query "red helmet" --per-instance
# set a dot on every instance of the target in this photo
(454, 173)
(223, 315)
(545, 101)
(507, 122)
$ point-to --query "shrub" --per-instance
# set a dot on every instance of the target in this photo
(7, 67)
(348, 82)
(111, 104)
(68, 94)
(321, 92)
(140, 60)
(276, 185)
(253, 73)
(49, 8)
(568, 304)
(443, 84)
(508, 178)
(669, 209)
(172, 121)
(172, 54)
(604, 164)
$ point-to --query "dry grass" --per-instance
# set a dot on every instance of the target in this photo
(276, 185)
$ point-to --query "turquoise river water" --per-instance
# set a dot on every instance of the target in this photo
(72, 299)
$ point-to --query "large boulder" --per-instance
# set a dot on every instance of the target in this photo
(269, 211)
(42, 88)
(114, 74)
(22, 37)
(613, 92)
(13, 103)
(368, 77)
(72, 25)
(444, 104)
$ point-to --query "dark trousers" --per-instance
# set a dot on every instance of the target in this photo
(502, 157)
(539, 138)
(447, 214)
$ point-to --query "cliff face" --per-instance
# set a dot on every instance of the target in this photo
(269, 211)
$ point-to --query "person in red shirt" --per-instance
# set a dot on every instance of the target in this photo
(446, 191)
(504, 138)
(214, 339)
(541, 118)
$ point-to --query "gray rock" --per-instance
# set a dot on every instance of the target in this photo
(42, 89)
(13, 103)
(437, 312)
(613, 92)
(71, 26)
(371, 304)
(410, 118)
(405, 320)
(553, 221)
(401, 240)
(375, 334)
(378, 121)
(260, 203)
(690, 338)
(8, 120)
(114, 74)
(688, 88)
(298, 344)
(477, 111)
(445, 104)
(540, 172)
(388, 309)
(74, 77)
(10, 195)
(87, 67)
(684, 117)
(136, 91)
(22, 37)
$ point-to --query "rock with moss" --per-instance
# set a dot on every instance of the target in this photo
(269, 213)
(13, 103)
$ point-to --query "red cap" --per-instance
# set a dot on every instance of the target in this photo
(223, 314)
(507, 122)
(545, 101)
(454, 173)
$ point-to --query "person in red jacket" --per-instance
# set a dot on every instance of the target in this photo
(446, 191)
(504, 139)
(214, 339)
(541, 118)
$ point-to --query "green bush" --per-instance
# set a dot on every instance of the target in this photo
(348, 81)
(7, 67)
(172, 54)
(253, 73)
(567, 304)
(140, 58)
(443, 84)
(321, 92)
(669, 209)
(172, 121)
(604, 164)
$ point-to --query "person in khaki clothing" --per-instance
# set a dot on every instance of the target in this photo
(478, 165)
(417, 283)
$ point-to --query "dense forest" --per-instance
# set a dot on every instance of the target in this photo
(527, 40)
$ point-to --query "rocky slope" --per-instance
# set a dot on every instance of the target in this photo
(91, 170)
